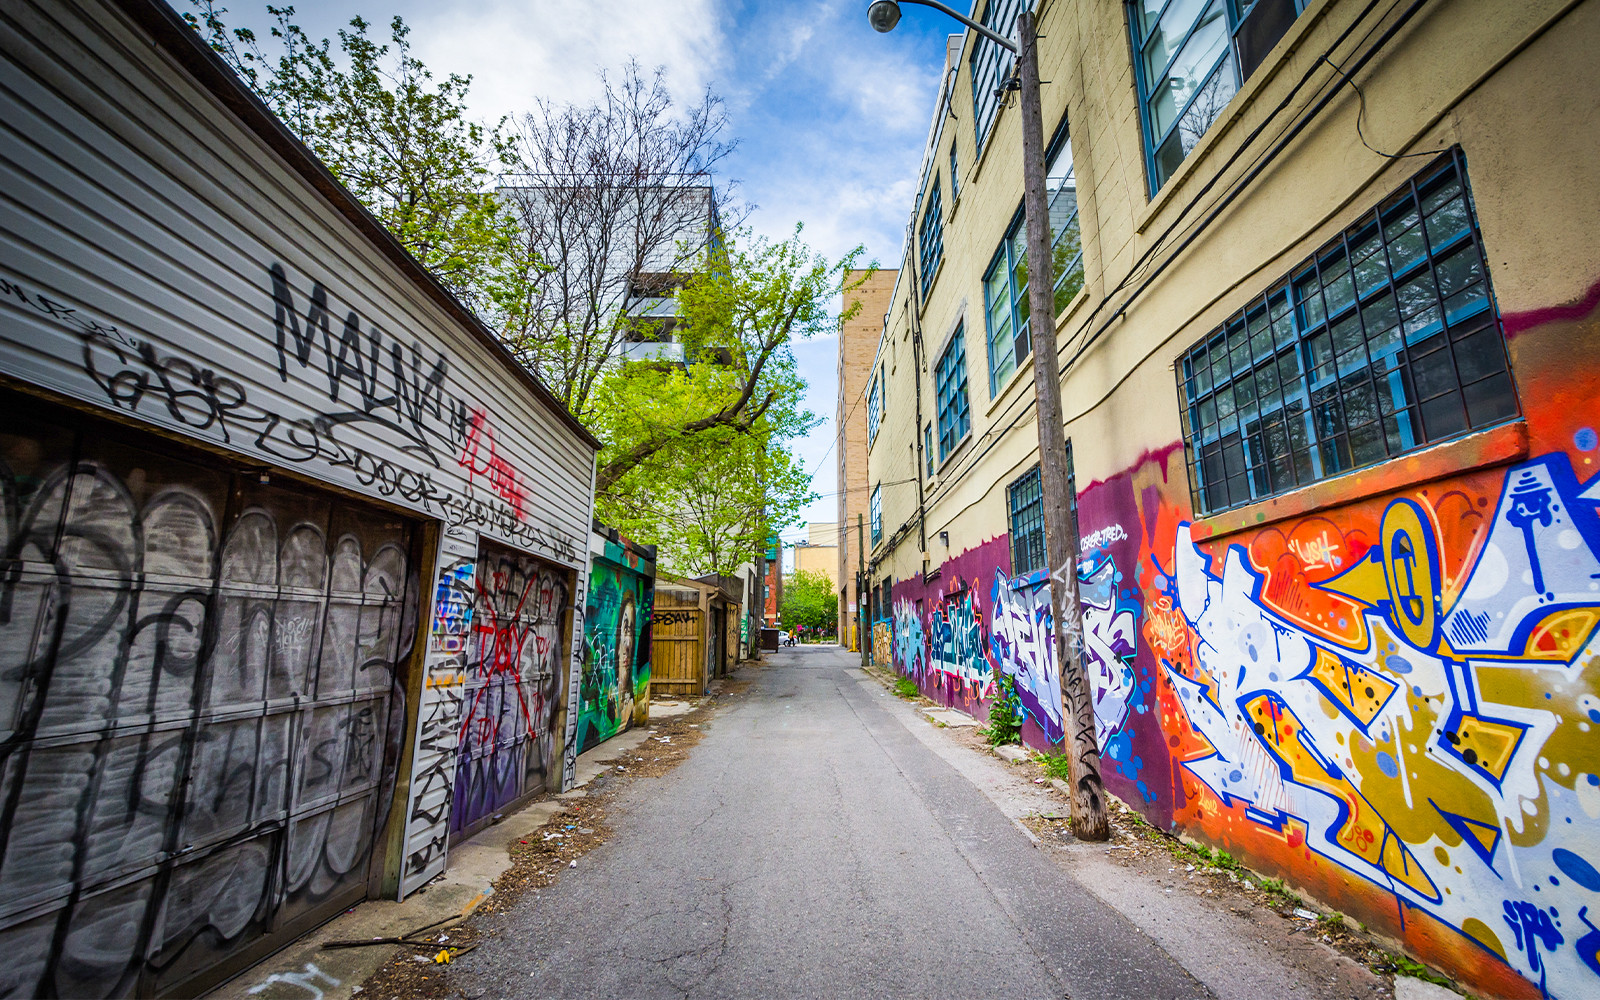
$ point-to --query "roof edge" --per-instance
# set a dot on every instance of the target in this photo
(190, 51)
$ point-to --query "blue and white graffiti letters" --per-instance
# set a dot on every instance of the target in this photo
(1022, 640)
(1450, 760)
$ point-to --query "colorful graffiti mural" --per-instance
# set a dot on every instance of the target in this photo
(616, 638)
(1400, 743)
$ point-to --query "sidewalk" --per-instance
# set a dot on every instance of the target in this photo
(307, 971)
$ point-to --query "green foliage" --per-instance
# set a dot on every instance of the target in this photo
(907, 688)
(1005, 714)
(748, 302)
(398, 140)
(709, 502)
(1056, 765)
(1411, 967)
(809, 600)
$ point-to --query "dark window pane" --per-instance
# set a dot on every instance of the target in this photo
(1443, 416)
(1360, 404)
(1490, 400)
(1433, 375)
(1321, 351)
(1233, 455)
(1406, 250)
(1367, 445)
(1347, 334)
(1393, 390)
(1480, 355)
(1335, 455)
(1267, 391)
(1447, 223)
(1325, 405)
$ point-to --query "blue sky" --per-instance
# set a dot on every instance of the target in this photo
(830, 114)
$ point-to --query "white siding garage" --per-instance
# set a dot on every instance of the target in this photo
(290, 548)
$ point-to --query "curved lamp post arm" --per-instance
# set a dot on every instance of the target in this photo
(969, 22)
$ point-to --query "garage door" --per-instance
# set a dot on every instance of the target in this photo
(199, 707)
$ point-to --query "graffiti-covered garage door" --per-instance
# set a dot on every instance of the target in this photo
(199, 708)
(509, 744)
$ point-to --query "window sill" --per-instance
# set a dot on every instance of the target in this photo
(1023, 371)
(1477, 450)
(1236, 107)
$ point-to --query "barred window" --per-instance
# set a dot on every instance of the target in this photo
(1025, 497)
(950, 391)
(930, 238)
(1382, 342)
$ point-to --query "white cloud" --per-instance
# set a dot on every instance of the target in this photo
(517, 50)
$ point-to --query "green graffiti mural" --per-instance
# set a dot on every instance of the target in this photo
(616, 644)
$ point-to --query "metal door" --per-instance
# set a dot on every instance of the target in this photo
(509, 747)
(199, 708)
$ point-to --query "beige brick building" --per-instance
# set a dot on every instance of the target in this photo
(858, 346)
(1327, 329)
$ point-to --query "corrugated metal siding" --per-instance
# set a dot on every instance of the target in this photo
(140, 225)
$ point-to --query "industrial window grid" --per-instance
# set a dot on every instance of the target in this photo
(875, 513)
(991, 64)
(1190, 58)
(1025, 497)
(930, 237)
(955, 176)
(1383, 341)
(950, 392)
(1005, 284)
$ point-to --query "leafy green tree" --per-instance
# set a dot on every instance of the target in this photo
(709, 503)
(737, 319)
(809, 599)
(400, 141)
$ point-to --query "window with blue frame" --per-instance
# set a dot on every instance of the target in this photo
(875, 513)
(872, 412)
(991, 64)
(1191, 57)
(950, 392)
(955, 175)
(1384, 341)
(927, 447)
(1005, 284)
(930, 237)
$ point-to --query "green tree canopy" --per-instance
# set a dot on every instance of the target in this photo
(399, 140)
(809, 599)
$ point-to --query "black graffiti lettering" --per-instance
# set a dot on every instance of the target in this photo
(144, 734)
(284, 320)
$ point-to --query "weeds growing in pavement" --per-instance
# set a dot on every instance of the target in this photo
(1055, 765)
(905, 687)
(1005, 714)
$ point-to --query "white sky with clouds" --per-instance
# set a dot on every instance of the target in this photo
(831, 116)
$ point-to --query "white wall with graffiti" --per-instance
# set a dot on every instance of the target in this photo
(233, 409)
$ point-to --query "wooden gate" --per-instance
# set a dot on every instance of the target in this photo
(677, 624)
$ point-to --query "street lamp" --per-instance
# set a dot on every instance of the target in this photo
(1089, 819)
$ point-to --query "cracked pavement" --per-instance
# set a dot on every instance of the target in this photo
(814, 846)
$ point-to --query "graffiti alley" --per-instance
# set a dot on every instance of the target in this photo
(827, 839)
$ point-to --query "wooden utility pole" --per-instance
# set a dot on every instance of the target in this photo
(1089, 820)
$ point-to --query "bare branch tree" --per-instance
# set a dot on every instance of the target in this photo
(619, 202)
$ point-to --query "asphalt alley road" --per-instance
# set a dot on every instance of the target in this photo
(812, 846)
